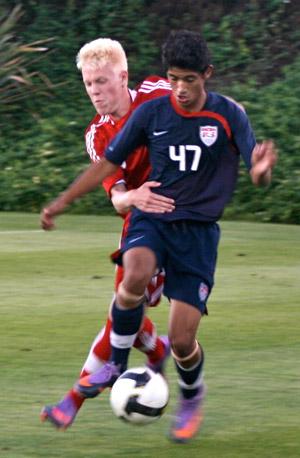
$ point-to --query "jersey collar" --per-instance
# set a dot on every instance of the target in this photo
(185, 113)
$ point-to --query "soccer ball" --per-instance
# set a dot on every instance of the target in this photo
(139, 396)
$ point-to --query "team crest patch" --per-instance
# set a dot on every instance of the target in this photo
(203, 291)
(208, 134)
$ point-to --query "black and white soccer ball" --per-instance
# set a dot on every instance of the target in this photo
(139, 396)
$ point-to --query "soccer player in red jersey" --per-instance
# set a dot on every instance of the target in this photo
(103, 64)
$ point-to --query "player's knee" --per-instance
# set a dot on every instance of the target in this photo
(139, 267)
(128, 298)
(182, 346)
(136, 280)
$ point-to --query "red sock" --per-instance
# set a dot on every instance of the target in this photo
(102, 348)
(76, 397)
(148, 342)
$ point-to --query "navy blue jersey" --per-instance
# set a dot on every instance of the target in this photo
(194, 155)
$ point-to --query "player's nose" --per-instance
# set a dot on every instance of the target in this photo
(181, 87)
(94, 89)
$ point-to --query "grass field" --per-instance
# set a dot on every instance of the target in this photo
(54, 292)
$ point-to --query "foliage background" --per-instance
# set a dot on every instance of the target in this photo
(255, 47)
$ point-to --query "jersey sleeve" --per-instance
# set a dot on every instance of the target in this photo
(112, 180)
(243, 135)
(96, 139)
(151, 88)
(131, 136)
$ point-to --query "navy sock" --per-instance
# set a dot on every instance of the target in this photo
(125, 326)
(190, 379)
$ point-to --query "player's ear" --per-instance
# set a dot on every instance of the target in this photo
(208, 72)
(124, 78)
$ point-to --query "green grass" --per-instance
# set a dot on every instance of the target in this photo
(54, 292)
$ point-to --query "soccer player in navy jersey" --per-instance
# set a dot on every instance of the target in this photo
(195, 139)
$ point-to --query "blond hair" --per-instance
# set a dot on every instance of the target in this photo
(101, 51)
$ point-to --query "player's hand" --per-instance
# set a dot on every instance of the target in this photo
(146, 200)
(49, 213)
(264, 157)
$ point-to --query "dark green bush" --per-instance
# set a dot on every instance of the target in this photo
(255, 48)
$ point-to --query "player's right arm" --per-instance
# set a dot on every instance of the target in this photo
(86, 182)
(128, 140)
(132, 136)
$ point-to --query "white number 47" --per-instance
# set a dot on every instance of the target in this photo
(179, 154)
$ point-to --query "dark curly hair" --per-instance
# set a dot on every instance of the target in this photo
(187, 50)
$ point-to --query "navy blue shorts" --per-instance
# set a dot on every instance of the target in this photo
(186, 250)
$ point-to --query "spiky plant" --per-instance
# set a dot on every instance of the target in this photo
(17, 79)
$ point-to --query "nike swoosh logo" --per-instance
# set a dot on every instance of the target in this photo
(162, 132)
(137, 238)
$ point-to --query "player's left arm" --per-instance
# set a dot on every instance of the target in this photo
(263, 159)
(142, 198)
(241, 107)
(260, 158)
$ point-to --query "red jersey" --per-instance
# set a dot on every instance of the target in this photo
(135, 171)
(102, 130)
